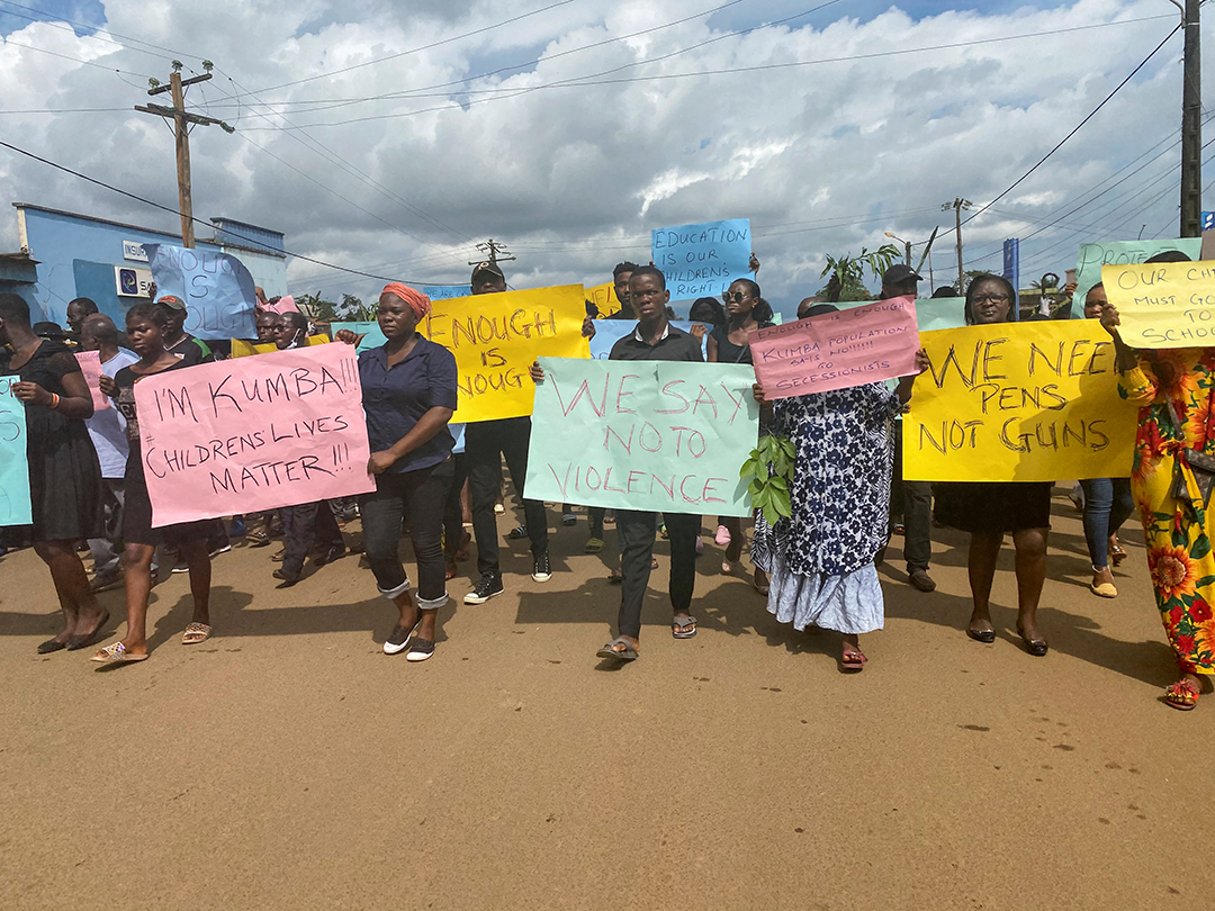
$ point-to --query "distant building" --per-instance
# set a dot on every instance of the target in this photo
(65, 255)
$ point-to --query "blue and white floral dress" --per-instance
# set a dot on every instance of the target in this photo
(820, 561)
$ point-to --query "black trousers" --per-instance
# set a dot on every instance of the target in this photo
(453, 515)
(486, 444)
(304, 527)
(914, 499)
(418, 496)
(636, 531)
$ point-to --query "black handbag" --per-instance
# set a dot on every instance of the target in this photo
(1201, 465)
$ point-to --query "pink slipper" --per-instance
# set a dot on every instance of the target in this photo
(722, 539)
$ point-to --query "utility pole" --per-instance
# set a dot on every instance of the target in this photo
(1191, 125)
(906, 246)
(496, 252)
(182, 119)
(958, 205)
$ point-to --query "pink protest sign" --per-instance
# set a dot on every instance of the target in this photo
(254, 433)
(90, 366)
(836, 350)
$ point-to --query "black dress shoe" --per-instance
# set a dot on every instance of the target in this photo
(1036, 647)
(287, 579)
(982, 635)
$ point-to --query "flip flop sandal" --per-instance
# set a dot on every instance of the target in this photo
(1181, 695)
(594, 545)
(625, 653)
(419, 649)
(196, 633)
(117, 654)
(853, 660)
(684, 630)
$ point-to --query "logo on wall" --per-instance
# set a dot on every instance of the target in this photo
(131, 282)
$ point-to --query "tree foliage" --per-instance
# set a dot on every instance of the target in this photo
(847, 281)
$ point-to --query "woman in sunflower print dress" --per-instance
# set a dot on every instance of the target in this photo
(1169, 385)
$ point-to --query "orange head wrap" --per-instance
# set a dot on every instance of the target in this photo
(418, 302)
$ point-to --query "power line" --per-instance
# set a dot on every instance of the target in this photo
(590, 80)
(1076, 129)
(148, 202)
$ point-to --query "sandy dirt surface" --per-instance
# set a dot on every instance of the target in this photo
(288, 763)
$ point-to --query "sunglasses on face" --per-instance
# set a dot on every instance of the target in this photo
(737, 297)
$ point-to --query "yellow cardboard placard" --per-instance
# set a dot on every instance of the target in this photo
(242, 348)
(604, 297)
(1163, 305)
(1033, 401)
(496, 337)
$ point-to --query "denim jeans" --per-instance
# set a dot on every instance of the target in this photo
(304, 527)
(418, 496)
(1107, 504)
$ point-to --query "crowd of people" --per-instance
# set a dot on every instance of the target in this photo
(816, 568)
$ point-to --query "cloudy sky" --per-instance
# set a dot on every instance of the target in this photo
(390, 137)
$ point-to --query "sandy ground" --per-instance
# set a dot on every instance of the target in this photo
(288, 763)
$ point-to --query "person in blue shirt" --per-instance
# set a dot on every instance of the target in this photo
(409, 395)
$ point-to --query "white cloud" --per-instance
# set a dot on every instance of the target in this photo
(823, 158)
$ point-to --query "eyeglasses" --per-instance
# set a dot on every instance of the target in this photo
(737, 297)
(994, 298)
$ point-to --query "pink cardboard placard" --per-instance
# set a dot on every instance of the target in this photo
(253, 433)
(866, 344)
(90, 366)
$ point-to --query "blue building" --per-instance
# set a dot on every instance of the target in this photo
(66, 255)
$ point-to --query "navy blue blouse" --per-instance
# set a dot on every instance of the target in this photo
(396, 397)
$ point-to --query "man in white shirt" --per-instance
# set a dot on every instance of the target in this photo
(108, 430)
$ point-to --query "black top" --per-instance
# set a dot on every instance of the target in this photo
(396, 397)
(727, 351)
(675, 345)
(124, 400)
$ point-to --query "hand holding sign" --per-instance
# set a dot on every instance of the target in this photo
(1163, 305)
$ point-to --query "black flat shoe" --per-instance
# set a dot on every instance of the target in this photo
(75, 643)
(288, 580)
(987, 636)
(50, 645)
(1036, 647)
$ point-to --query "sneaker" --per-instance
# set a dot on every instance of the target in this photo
(489, 585)
(921, 580)
(518, 533)
(181, 566)
(499, 509)
(397, 640)
(215, 552)
(542, 568)
(568, 518)
(723, 536)
(419, 649)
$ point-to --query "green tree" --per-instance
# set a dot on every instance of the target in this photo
(317, 308)
(847, 281)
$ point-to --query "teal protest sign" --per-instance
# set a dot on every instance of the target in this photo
(445, 292)
(369, 330)
(1120, 253)
(216, 288)
(609, 331)
(702, 260)
(647, 435)
(14, 467)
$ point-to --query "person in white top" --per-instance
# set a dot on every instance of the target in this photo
(108, 430)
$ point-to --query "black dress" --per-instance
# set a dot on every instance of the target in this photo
(992, 506)
(727, 351)
(65, 477)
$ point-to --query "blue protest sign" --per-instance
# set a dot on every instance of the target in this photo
(609, 331)
(14, 464)
(216, 287)
(372, 337)
(701, 260)
(444, 292)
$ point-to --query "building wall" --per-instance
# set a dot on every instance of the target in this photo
(77, 257)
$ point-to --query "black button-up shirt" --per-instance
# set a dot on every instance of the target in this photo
(675, 345)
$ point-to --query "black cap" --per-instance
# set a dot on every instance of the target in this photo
(899, 273)
(488, 267)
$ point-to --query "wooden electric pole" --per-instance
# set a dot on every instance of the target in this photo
(958, 205)
(182, 120)
(1191, 126)
(496, 252)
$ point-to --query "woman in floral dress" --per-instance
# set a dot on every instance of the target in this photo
(1169, 385)
(820, 562)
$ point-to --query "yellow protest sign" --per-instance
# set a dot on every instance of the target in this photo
(242, 348)
(1034, 401)
(1163, 305)
(604, 297)
(496, 337)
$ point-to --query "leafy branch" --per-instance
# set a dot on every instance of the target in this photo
(770, 468)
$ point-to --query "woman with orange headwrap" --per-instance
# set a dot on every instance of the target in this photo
(409, 394)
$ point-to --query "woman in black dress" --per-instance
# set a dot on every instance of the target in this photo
(65, 477)
(746, 313)
(990, 509)
(146, 324)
